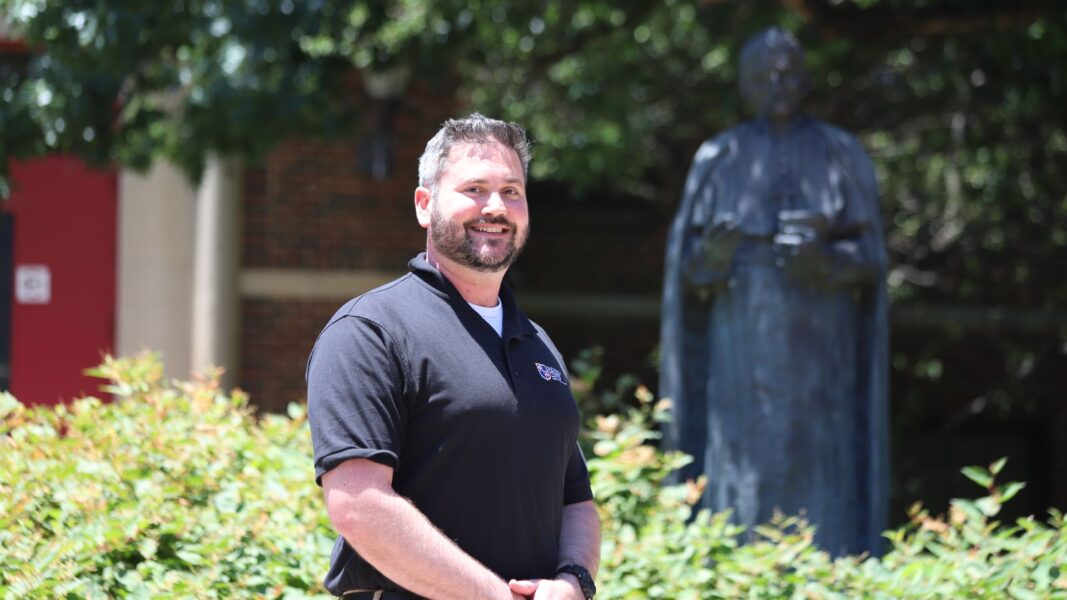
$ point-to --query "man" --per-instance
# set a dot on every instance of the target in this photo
(444, 430)
(774, 337)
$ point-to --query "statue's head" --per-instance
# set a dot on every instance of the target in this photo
(773, 77)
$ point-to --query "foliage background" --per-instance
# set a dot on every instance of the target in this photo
(959, 102)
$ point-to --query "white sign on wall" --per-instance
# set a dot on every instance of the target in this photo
(33, 284)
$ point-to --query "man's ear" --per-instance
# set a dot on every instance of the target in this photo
(423, 197)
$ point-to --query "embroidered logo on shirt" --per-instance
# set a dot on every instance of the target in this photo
(549, 373)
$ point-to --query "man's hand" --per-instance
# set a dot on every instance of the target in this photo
(579, 542)
(565, 587)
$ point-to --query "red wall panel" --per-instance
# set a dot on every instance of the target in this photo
(65, 220)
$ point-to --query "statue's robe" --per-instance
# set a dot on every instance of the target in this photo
(779, 386)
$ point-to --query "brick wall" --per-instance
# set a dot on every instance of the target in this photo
(309, 206)
(276, 339)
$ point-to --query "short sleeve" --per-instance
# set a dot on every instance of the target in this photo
(355, 391)
(576, 486)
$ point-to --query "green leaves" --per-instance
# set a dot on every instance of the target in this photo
(136, 81)
(168, 491)
(978, 475)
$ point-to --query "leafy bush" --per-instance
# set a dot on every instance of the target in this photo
(179, 490)
(168, 491)
(655, 547)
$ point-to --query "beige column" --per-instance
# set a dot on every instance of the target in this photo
(216, 264)
(155, 257)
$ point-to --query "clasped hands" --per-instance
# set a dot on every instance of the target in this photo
(546, 589)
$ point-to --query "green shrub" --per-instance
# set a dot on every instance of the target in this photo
(168, 491)
(178, 490)
(655, 547)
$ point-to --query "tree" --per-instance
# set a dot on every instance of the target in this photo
(130, 82)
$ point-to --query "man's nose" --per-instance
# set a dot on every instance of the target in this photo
(494, 205)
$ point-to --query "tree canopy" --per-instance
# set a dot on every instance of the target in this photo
(617, 93)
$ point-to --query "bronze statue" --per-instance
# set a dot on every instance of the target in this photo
(774, 336)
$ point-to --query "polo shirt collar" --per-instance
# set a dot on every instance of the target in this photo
(515, 323)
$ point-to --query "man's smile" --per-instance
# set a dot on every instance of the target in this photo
(489, 229)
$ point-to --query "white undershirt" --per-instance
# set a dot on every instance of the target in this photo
(493, 315)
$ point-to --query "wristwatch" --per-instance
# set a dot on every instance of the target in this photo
(585, 580)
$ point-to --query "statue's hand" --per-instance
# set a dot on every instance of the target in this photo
(719, 243)
(709, 261)
(808, 261)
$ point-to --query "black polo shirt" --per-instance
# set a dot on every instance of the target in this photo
(481, 430)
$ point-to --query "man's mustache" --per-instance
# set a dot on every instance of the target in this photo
(492, 221)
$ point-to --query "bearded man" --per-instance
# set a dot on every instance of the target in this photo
(444, 430)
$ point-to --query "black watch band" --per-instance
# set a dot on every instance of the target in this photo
(585, 580)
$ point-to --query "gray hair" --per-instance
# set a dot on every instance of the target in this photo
(474, 129)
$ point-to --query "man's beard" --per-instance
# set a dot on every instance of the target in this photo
(453, 241)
